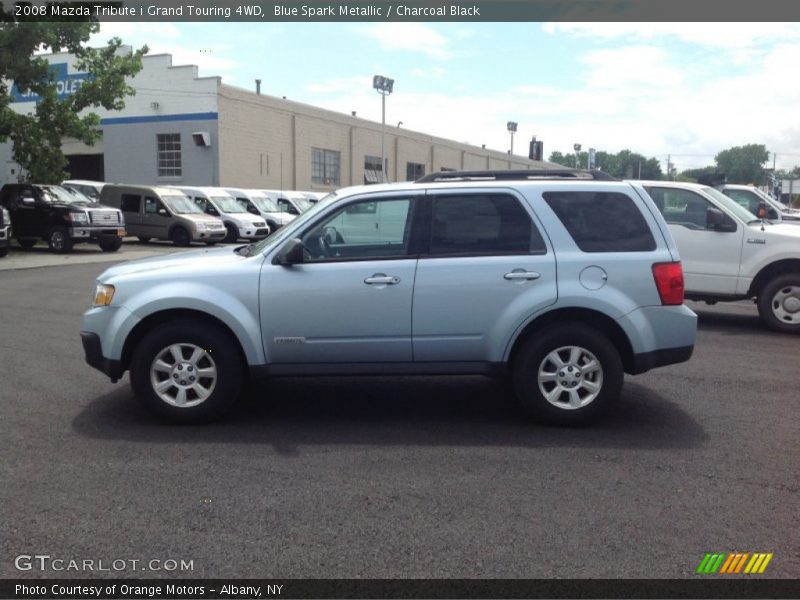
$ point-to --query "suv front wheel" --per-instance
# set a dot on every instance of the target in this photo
(567, 374)
(187, 372)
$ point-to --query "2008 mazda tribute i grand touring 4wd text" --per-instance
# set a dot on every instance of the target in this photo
(564, 279)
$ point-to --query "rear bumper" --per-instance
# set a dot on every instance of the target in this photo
(660, 358)
(93, 352)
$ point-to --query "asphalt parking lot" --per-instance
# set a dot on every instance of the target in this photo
(395, 477)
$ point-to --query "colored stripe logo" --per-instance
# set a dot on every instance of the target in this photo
(727, 563)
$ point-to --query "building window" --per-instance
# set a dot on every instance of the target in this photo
(325, 166)
(169, 155)
(414, 171)
(373, 172)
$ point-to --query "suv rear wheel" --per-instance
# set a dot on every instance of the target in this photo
(567, 374)
(186, 373)
(779, 303)
(58, 240)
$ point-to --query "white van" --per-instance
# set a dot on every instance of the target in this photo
(258, 203)
(219, 203)
(294, 203)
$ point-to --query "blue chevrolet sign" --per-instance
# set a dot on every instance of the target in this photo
(66, 84)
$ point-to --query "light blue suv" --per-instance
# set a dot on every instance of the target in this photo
(564, 279)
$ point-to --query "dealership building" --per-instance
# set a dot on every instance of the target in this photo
(183, 129)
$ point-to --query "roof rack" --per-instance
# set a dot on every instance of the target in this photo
(530, 174)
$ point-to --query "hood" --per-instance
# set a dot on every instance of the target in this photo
(281, 217)
(194, 260)
(783, 229)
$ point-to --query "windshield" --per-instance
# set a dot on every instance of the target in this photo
(302, 203)
(287, 231)
(265, 204)
(227, 204)
(55, 193)
(181, 205)
(740, 211)
(81, 198)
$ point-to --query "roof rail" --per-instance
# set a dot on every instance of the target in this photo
(530, 174)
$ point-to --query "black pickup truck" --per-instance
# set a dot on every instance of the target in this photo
(61, 217)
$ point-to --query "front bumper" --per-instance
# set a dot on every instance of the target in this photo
(253, 233)
(93, 351)
(209, 234)
(5, 236)
(95, 233)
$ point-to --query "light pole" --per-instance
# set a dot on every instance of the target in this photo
(383, 85)
(577, 148)
(512, 129)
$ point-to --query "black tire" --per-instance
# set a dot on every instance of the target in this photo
(144, 238)
(233, 234)
(211, 243)
(779, 303)
(223, 354)
(3, 251)
(180, 237)
(58, 240)
(533, 357)
(27, 242)
(110, 243)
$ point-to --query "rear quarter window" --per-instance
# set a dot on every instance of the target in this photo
(602, 221)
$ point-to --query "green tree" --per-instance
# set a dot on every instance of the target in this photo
(36, 137)
(743, 164)
(623, 164)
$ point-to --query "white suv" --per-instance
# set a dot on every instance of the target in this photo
(728, 253)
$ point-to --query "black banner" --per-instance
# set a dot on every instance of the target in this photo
(412, 10)
(245, 589)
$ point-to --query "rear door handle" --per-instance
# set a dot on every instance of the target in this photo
(382, 279)
(518, 274)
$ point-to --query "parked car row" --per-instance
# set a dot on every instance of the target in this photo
(102, 213)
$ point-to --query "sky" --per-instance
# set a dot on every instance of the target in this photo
(687, 90)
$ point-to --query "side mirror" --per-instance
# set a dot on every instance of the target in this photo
(163, 212)
(762, 210)
(292, 210)
(290, 254)
(253, 210)
(28, 201)
(719, 221)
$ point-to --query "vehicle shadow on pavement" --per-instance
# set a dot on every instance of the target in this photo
(730, 323)
(423, 411)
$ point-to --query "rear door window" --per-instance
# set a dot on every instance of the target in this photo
(482, 224)
(602, 221)
(131, 203)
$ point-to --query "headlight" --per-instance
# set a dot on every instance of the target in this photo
(201, 226)
(259, 224)
(78, 217)
(103, 294)
(6, 217)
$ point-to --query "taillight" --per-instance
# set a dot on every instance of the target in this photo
(669, 281)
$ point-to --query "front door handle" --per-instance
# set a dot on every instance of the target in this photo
(518, 274)
(382, 279)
